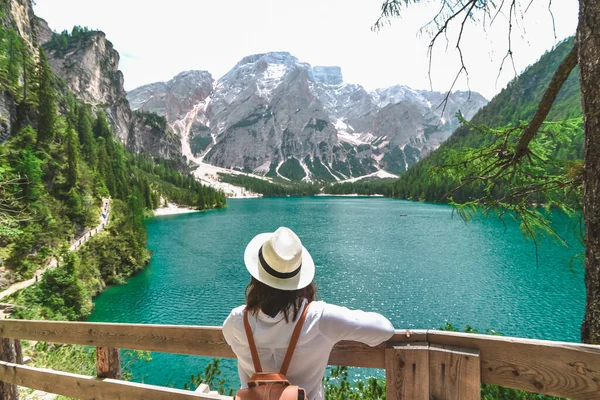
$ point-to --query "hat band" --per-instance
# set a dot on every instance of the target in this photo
(271, 271)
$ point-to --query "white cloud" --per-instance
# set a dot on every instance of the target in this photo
(157, 40)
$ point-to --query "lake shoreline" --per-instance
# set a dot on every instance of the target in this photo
(173, 209)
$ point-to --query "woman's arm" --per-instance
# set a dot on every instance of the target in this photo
(340, 323)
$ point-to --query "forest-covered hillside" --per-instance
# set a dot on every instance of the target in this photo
(512, 106)
(58, 159)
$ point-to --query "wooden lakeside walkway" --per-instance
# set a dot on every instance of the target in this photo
(75, 244)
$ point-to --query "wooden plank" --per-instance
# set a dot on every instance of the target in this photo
(354, 354)
(195, 340)
(181, 339)
(407, 372)
(108, 363)
(87, 387)
(553, 368)
(454, 373)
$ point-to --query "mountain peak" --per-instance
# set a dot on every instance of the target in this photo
(329, 75)
(274, 57)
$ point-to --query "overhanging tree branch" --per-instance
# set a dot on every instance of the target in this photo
(559, 78)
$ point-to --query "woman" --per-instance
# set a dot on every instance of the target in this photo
(282, 285)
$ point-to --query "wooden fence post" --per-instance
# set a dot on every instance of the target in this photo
(108, 363)
(407, 372)
(454, 373)
(10, 351)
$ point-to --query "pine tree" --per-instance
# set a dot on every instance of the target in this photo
(29, 167)
(86, 137)
(14, 58)
(101, 127)
(104, 167)
(47, 101)
(72, 150)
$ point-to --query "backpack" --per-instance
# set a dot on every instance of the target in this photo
(272, 385)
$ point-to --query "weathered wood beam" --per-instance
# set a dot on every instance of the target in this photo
(180, 339)
(108, 363)
(407, 371)
(87, 387)
(554, 368)
(454, 373)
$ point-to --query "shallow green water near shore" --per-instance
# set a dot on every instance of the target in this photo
(421, 271)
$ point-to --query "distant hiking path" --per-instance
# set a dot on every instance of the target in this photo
(75, 244)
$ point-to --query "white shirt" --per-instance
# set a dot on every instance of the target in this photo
(325, 325)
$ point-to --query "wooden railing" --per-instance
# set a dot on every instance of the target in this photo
(420, 364)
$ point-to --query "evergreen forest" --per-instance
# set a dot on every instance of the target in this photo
(57, 162)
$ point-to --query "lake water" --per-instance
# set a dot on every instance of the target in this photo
(421, 271)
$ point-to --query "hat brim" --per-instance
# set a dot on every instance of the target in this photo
(302, 280)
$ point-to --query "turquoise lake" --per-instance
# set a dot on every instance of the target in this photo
(421, 271)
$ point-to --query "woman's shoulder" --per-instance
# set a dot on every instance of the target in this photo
(238, 311)
(236, 315)
(322, 308)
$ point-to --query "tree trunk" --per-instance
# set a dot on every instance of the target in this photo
(588, 36)
(10, 351)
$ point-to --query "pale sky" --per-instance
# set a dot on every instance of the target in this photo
(159, 39)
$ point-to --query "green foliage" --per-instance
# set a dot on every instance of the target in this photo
(166, 180)
(199, 143)
(64, 357)
(368, 187)
(47, 101)
(292, 169)
(86, 136)
(78, 359)
(509, 189)
(72, 151)
(338, 387)
(151, 119)
(211, 377)
(102, 129)
(60, 42)
(59, 295)
(269, 189)
(318, 170)
(248, 121)
(29, 169)
(119, 251)
(513, 105)
(319, 124)
(11, 47)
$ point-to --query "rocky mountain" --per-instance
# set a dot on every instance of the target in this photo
(273, 114)
(89, 65)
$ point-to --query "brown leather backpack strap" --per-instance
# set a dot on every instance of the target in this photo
(253, 351)
(293, 341)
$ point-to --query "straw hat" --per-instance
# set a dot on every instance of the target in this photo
(279, 260)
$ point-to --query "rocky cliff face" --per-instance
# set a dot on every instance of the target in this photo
(22, 18)
(276, 115)
(90, 67)
(17, 15)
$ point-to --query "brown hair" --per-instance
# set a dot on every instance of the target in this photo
(271, 301)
